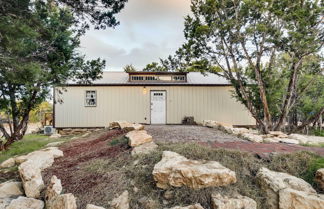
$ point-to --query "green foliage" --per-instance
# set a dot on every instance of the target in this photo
(38, 50)
(154, 67)
(119, 141)
(258, 46)
(129, 68)
(99, 13)
(37, 114)
(311, 170)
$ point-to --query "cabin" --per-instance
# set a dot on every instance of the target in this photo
(148, 98)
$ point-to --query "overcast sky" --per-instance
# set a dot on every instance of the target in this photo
(148, 30)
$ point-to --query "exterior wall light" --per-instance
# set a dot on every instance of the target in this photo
(144, 90)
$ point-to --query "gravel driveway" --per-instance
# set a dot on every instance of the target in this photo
(186, 133)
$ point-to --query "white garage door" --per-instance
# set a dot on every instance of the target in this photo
(158, 107)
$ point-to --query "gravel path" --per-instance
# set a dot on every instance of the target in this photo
(184, 133)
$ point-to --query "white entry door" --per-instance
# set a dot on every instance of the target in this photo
(158, 107)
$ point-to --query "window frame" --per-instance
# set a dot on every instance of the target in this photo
(85, 98)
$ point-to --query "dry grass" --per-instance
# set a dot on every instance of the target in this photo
(126, 174)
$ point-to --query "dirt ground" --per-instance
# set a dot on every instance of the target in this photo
(70, 168)
(96, 168)
(183, 133)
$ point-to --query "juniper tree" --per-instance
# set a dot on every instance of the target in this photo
(38, 42)
(240, 37)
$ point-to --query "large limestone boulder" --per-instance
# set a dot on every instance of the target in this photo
(290, 198)
(54, 144)
(63, 201)
(238, 202)
(120, 202)
(32, 179)
(31, 167)
(8, 163)
(219, 125)
(11, 189)
(252, 137)
(124, 125)
(240, 131)
(210, 123)
(137, 138)
(4, 202)
(195, 206)
(278, 134)
(272, 182)
(319, 178)
(26, 203)
(90, 206)
(54, 189)
(176, 170)
(301, 138)
(144, 148)
(289, 141)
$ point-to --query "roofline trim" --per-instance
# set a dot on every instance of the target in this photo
(156, 73)
(137, 84)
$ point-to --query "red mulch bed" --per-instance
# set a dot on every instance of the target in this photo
(68, 168)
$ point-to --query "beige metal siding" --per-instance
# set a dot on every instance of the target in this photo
(131, 103)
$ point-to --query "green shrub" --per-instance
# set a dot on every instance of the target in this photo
(119, 141)
(309, 175)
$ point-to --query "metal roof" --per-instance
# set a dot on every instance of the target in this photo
(122, 79)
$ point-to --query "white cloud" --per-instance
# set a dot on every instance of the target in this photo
(149, 29)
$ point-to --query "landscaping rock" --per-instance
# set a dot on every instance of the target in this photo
(32, 179)
(4, 202)
(240, 131)
(63, 201)
(26, 203)
(290, 198)
(33, 164)
(278, 134)
(195, 206)
(90, 206)
(210, 123)
(272, 182)
(121, 202)
(8, 163)
(20, 159)
(319, 178)
(137, 138)
(55, 136)
(148, 203)
(168, 195)
(238, 202)
(176, 170)
(301, 138)
(289, 141)
(54, 144)
(252, 137)
(54, 189)
(11, 189)
(124, 125)
(144, 148)
(271, 140)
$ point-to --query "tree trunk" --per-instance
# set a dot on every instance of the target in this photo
(290, 92)
(309, 121)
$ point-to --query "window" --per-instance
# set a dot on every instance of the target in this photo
(179, 78)
(151, 78)
(91, 99)
(137, 78)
